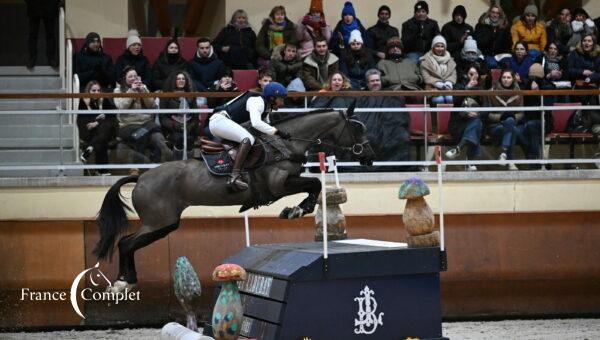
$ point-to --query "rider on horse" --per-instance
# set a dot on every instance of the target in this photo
(253, 107)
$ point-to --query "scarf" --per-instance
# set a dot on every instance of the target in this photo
(347, 28)
(506, 100)
(552, 63)
(276, 34)
(439, 62)
(489, 21)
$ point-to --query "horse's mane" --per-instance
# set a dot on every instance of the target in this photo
(280, 117)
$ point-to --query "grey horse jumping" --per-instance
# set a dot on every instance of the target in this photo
(161, 194)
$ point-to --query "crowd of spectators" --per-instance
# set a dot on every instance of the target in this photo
(311, 56)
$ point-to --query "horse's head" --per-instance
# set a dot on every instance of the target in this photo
(354, 136)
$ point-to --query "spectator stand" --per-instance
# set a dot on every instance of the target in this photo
(560, 133)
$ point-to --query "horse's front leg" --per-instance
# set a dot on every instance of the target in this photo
(295, 185)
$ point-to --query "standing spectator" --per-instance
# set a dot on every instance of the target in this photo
(45, 11)
(235, 44)
(286, 64)
(457, 31)
(91, 63)
(502, 124)
(225, 84)
(96, 130)
(492, 35)
(581, 24)
(318, 65)
(340, 38)
(205, 68)
(356, 60)
(466, 127)
(399, 73)
(276, 30)
(170, 60)
(133, 56)
(530, 30)
(172, 124)
(138, 130)
(381, 32)
(312, 27)
(418, 32)
(439, 69)
(519, 62)
(559, 31)
(470, 55)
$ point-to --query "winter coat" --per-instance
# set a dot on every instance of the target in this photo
(459, 120)
(242, 45)
(493, 118)
(139, 62)
(576, 37)
(284, 71)
(431, 76)
(84, 119)
(559, 63)
(492, 40)
(305, 37)
(521, 68)
(418, 35)
(262, 40)
(173, 123)
(164, 66)
(337, 44)
(133, 103)
(204, 71)
(560, 35)
(463, 66)
(534, 37)
(379, 35)
(312, 77)
(579, 61)
(402, 73)
(94, 66)
(355, 68)
(454, 32)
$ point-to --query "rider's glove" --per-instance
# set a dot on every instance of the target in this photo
(283, 134)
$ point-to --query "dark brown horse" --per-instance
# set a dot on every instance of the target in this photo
(161, 194)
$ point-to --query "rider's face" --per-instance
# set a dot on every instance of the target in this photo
(279, 101)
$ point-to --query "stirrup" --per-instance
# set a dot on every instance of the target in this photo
(237, 184)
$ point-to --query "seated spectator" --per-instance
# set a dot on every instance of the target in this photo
(170, 60)
(138, 131)
(530, 30)
(492, 35)
(439, 69)
(418, 32)
(337, 82)
(205, 68)
(466, 126)
(172, 124)
(355, 60)
(381, 32)
(519, 62)
(470, 55)
(581, 25)
(318, 65)
(276, 30)
(456, 31)
(312, 27)
(133, 56)
(265, 76)
(225, 84)
(91, 63)
(96, 130)
(286, 64)
(555, 70)
(235, 44)
(559, 31)
(340, 38)
(502, 124)
(399, 73)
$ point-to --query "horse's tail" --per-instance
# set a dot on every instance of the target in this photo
(112, 219)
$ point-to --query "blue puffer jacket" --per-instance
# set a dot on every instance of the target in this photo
(204, 71)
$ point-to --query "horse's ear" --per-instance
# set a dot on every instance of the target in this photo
(350, 110)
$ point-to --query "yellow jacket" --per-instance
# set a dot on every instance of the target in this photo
(535, 37)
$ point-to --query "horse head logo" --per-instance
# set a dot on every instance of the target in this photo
(96, 276)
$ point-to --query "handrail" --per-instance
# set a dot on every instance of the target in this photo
(62, 53)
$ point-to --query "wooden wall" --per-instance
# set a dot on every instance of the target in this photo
(499, 265)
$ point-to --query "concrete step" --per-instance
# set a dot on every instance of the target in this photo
(32, 119)
(24, 71)
(40, 173)
(31, 83)
(35, 131)
(29, 104)
(35, 143)
(36, 156)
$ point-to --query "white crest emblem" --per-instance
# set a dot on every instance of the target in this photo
(368, 320)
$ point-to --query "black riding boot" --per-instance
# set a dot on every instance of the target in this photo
(236, 182)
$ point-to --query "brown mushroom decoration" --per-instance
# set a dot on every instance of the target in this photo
(228, 312)
(418, 217)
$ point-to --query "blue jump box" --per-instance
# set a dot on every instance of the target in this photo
(365, 290)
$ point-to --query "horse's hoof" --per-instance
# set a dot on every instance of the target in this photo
(120, 286)
(290, 213)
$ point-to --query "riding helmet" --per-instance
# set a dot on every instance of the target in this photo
(274, 89)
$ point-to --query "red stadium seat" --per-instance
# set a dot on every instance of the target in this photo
(496, 73)
(245, 79)
(188, 47)
(152, 47)
(77, 44)
(559, 133)
(114, 47)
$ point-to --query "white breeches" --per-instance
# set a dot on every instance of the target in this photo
(225, 128)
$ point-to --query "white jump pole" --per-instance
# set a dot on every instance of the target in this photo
(438, 161)
(323, 205)
(247, 227)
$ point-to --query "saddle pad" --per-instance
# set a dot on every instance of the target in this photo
(219, 164)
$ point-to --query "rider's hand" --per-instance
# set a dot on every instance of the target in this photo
(283, 134)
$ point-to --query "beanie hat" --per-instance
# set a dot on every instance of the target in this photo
(470, 45)
(580, 11)
(438, 39)
(316, 6)
(133, 38)
(536, 70)
(459, 10)
(531, 9)
(348, 9)
(91, 37)
(384, 8)
(355, 36)
(393, 42)
(422, 5)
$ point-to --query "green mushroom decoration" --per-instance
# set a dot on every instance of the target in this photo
(228, 312)
(418, 217)
(187, 290)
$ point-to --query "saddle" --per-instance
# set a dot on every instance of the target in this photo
(219, 155)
